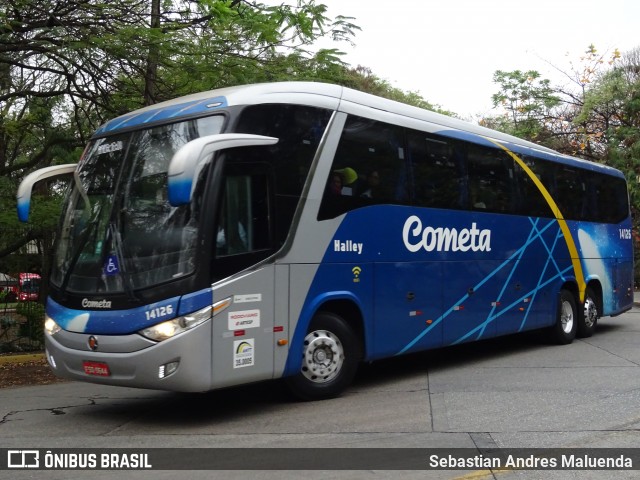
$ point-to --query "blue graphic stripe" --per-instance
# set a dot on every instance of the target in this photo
(517, 302)
(550, 251)
(504, 286)
(533, 292)
(163, 113)
(491, 317)
(534, 235)
(550, 259)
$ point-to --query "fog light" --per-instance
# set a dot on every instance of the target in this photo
(167, 369)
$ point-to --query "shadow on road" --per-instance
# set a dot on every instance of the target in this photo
(224, 406)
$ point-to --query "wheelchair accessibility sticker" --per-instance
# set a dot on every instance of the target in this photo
(112, 267)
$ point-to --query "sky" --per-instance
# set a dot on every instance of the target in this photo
(448, 50)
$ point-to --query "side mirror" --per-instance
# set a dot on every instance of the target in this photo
(189, 160)
(26, 186)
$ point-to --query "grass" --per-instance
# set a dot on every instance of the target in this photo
(20, 358)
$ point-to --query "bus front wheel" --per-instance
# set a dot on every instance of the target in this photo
(330, 357)
(564, 330)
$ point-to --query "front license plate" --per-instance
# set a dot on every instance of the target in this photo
(96, 368)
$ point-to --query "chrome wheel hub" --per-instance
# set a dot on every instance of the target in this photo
(566, 317)
(590, 312)
(323, 356)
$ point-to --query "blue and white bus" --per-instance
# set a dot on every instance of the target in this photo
(293, 230)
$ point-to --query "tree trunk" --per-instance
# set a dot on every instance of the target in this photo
(151, 75)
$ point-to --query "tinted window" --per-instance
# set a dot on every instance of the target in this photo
(380, 163)
(299, 130)
(607, 199)
(368, 168)
(243, 218)
(580, 194)
(569, 191)
(438, 171)
(530, 200)
(491, 183)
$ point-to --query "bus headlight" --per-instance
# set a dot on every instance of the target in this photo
(171, 328)
(50, 326)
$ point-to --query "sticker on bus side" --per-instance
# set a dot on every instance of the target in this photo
(244, 319)
(251, 297)
(243, 353)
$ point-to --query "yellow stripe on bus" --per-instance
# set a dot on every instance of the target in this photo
(571, 244)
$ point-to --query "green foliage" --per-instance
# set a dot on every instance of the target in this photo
(66, 66)
(526, 99)
(596, 117)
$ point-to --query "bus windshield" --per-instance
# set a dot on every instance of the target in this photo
(118, 210)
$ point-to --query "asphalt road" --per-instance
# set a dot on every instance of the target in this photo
(512, 392)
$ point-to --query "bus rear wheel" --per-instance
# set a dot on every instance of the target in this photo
(330, 357)
(564, 330)
(589, 315)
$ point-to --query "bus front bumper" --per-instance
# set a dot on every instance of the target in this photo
(181, 364)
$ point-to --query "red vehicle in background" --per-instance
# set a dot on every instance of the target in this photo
(28, 287)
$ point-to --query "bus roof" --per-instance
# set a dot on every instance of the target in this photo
(333, 97)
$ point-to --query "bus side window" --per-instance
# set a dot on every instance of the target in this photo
(490, 181)
(243, 218)
(368, 168)
(530, 200)
(606, 200)
(569, 192)
(298, 130)
(437, 168)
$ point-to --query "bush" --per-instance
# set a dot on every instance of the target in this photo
(7, 296)
(33, 328)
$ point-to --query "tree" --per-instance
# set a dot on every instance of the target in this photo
(586, 128)
(527, 100)
(612, 104)
(556, 115)
(68, 65)
(90, 52)
(596, 117)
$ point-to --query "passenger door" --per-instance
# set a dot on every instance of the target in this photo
(243, 334)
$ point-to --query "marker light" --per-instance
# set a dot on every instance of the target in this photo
(51, 360)
(50, 326)
(221, 306)
(169, 329)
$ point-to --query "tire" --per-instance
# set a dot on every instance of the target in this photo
(330, 357)
(564, 330)
(589, 314)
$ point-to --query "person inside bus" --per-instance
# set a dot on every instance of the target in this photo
(335, 184)
(349, 180)
(373, 181)
(477, 200)
(230, 239)
(240, 238)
